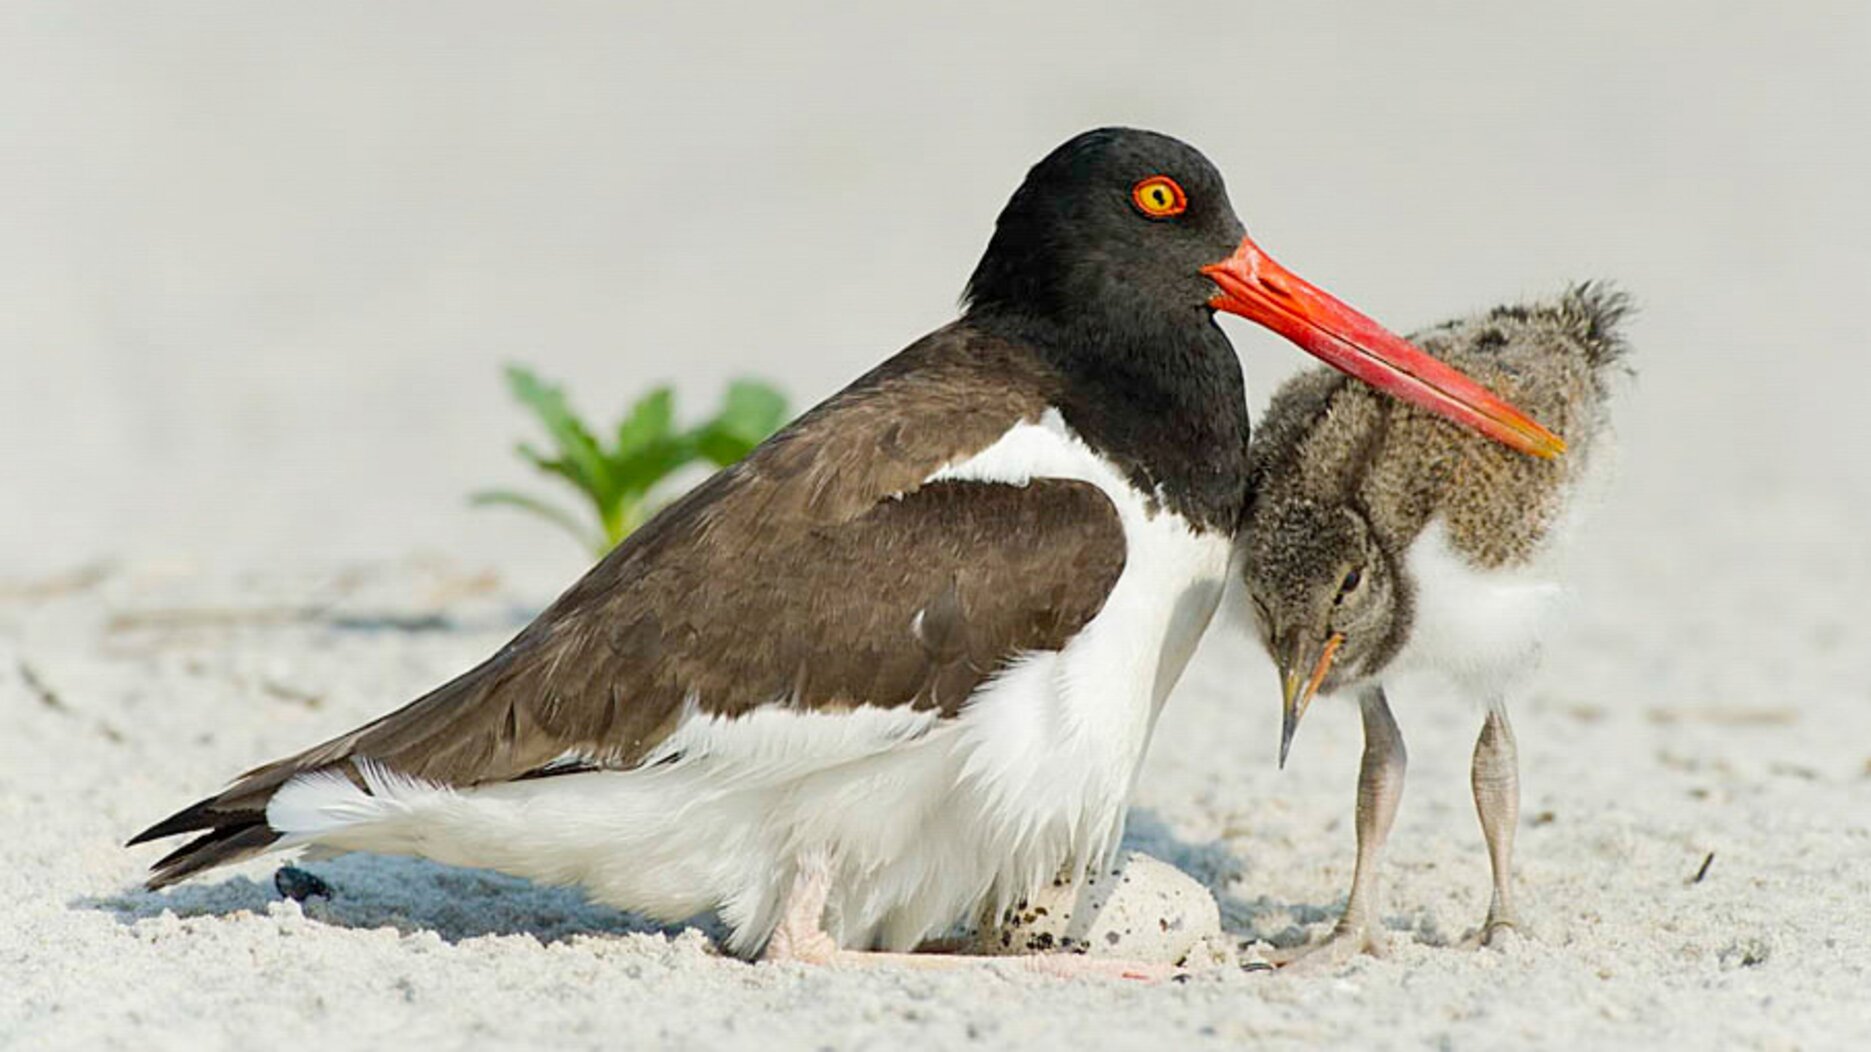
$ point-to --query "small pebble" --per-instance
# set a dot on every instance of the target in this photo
(298, 884)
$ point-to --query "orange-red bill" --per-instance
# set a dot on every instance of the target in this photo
(1297, 694)
(1261, 290)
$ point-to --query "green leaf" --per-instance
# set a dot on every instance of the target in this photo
(641, 471)
(630, 514)
(550, 512)
(721, 447)
(650, 420)
(648, 447)
(580, 460)
(531, 453)
(559, 467)
(751, 411)
(618, 482)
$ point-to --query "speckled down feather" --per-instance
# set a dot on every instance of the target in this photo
(1554, 359)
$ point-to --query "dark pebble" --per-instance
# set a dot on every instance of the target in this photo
(299, 885)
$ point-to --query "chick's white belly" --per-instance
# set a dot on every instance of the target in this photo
(1481, 627)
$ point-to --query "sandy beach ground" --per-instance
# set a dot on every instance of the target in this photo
(259, 268)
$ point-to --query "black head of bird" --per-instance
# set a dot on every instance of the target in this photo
(1112, 229)
(1120, 238)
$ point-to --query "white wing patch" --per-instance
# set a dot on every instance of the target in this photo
(1043, 449)
(778, 741)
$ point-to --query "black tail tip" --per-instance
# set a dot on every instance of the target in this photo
(190, 819)
(216, 847)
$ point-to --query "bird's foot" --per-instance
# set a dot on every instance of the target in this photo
(800, 935)
(1495, 933)
(1346, 942)
(801, 944)
(1081, 966)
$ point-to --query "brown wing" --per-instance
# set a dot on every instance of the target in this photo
(817, 573)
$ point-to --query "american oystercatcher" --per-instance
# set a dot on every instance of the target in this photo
(898, 667)
(1379, 539)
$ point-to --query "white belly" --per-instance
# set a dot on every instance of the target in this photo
(925, 823)
(1481, 628)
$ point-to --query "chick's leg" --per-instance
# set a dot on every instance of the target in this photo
(1495, 776)
(1380, 788)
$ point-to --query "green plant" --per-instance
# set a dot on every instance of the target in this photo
(620, 481)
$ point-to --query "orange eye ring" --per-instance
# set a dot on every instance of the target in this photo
(1159, 197)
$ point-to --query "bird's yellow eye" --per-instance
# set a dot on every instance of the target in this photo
(1159, 197)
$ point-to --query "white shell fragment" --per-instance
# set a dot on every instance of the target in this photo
(1142, 909)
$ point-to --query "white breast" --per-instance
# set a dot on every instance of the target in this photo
(1481, 627)
(924, 822)
(1053, 746)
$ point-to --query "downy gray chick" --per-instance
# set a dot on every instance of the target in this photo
(1379, 539)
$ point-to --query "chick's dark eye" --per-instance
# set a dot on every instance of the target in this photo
(1350, 582)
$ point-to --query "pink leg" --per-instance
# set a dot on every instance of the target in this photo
(1380, 788)
(1496, 778)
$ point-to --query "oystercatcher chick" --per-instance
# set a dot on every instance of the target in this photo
(897, 668)
(1378, 539)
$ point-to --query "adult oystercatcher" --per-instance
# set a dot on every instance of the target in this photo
(898, 667)
(1378, 539)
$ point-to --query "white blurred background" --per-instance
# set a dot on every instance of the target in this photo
(260, 264)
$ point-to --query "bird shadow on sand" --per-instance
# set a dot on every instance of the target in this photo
(409, 895)
(1258, 919)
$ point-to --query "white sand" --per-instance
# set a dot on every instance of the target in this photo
(257, 273)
